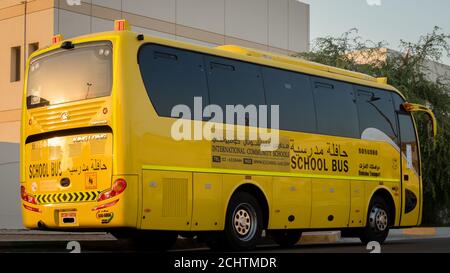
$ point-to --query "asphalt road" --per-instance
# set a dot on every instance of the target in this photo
(431, 245)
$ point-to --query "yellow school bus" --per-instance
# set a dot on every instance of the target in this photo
(98, 150)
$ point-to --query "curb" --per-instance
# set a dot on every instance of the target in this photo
(306, 239)
(420, 231)
(320, 237)
(26, 236)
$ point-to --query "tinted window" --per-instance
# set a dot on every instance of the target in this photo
(234, 83)
(376, 113)
(410, 149)
(62, 76)
(398, 101)
(335, 108)
(292, 92)
(172, 76)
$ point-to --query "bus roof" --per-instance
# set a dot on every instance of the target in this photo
(299, 62)
(250, 55)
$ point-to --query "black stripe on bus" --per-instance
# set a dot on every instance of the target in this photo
(69, 132)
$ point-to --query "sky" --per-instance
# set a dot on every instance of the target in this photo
(380, 20)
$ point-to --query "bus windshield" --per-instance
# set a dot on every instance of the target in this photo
(62, 75)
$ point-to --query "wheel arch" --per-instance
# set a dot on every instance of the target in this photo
(256, 191)
(387, 197)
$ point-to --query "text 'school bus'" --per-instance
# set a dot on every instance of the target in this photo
(98, 151)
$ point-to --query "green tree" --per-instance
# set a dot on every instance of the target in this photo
(406, 70)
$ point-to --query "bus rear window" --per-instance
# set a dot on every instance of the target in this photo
(62, 76)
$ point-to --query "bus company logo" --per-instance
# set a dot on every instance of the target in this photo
(73, 2)
(80, 139)
(190, 125)
(65, 116)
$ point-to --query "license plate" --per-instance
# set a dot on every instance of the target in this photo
(68, 218)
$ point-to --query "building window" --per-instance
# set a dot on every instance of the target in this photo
(15, 64)
(32, 48)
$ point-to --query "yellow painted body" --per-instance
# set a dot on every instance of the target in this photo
(175, 185)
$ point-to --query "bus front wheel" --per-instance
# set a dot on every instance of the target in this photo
(244, 223)
(378, 219)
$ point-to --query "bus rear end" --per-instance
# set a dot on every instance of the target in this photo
(67, 178)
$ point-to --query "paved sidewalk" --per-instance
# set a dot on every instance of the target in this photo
(45, 236)
(9, 237)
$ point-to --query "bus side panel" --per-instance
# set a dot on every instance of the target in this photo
(411, 187)
(207, 202)
(291, 197)
(357, 205)
(166, 200)
(330, 203)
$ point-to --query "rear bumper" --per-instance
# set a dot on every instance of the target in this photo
(117, 212)
(87, 215)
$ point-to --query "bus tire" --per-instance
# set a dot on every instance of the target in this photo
(286, 238)
(244, 222)
(378, 219)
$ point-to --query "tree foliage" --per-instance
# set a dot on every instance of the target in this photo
(408, 71)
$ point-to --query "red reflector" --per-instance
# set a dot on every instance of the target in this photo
(104, 206)
(31, 208)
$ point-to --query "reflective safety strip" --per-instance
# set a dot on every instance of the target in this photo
(266, 173)
(67, 197)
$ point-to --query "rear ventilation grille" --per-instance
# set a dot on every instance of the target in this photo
(175, 193)
(62, 117)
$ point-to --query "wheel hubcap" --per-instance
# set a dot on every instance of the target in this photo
(244, 221)
(378, 219)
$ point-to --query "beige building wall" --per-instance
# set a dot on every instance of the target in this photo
(273, 25)
(38, 31)
(280, 26)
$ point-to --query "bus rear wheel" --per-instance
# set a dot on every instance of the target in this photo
(378, 219)
(286, 238)
(244, 223)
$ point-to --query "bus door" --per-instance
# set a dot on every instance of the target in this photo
(411, 183)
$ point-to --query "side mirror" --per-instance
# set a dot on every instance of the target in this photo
(412, 108)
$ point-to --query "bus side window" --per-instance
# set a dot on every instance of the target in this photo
(335, 108)
(234, 83)
(172, 77)
(292, 92)
(376, 114)
(410, 149)
(407, 134)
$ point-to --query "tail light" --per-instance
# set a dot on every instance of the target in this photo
(26, 197)
(118, 187)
